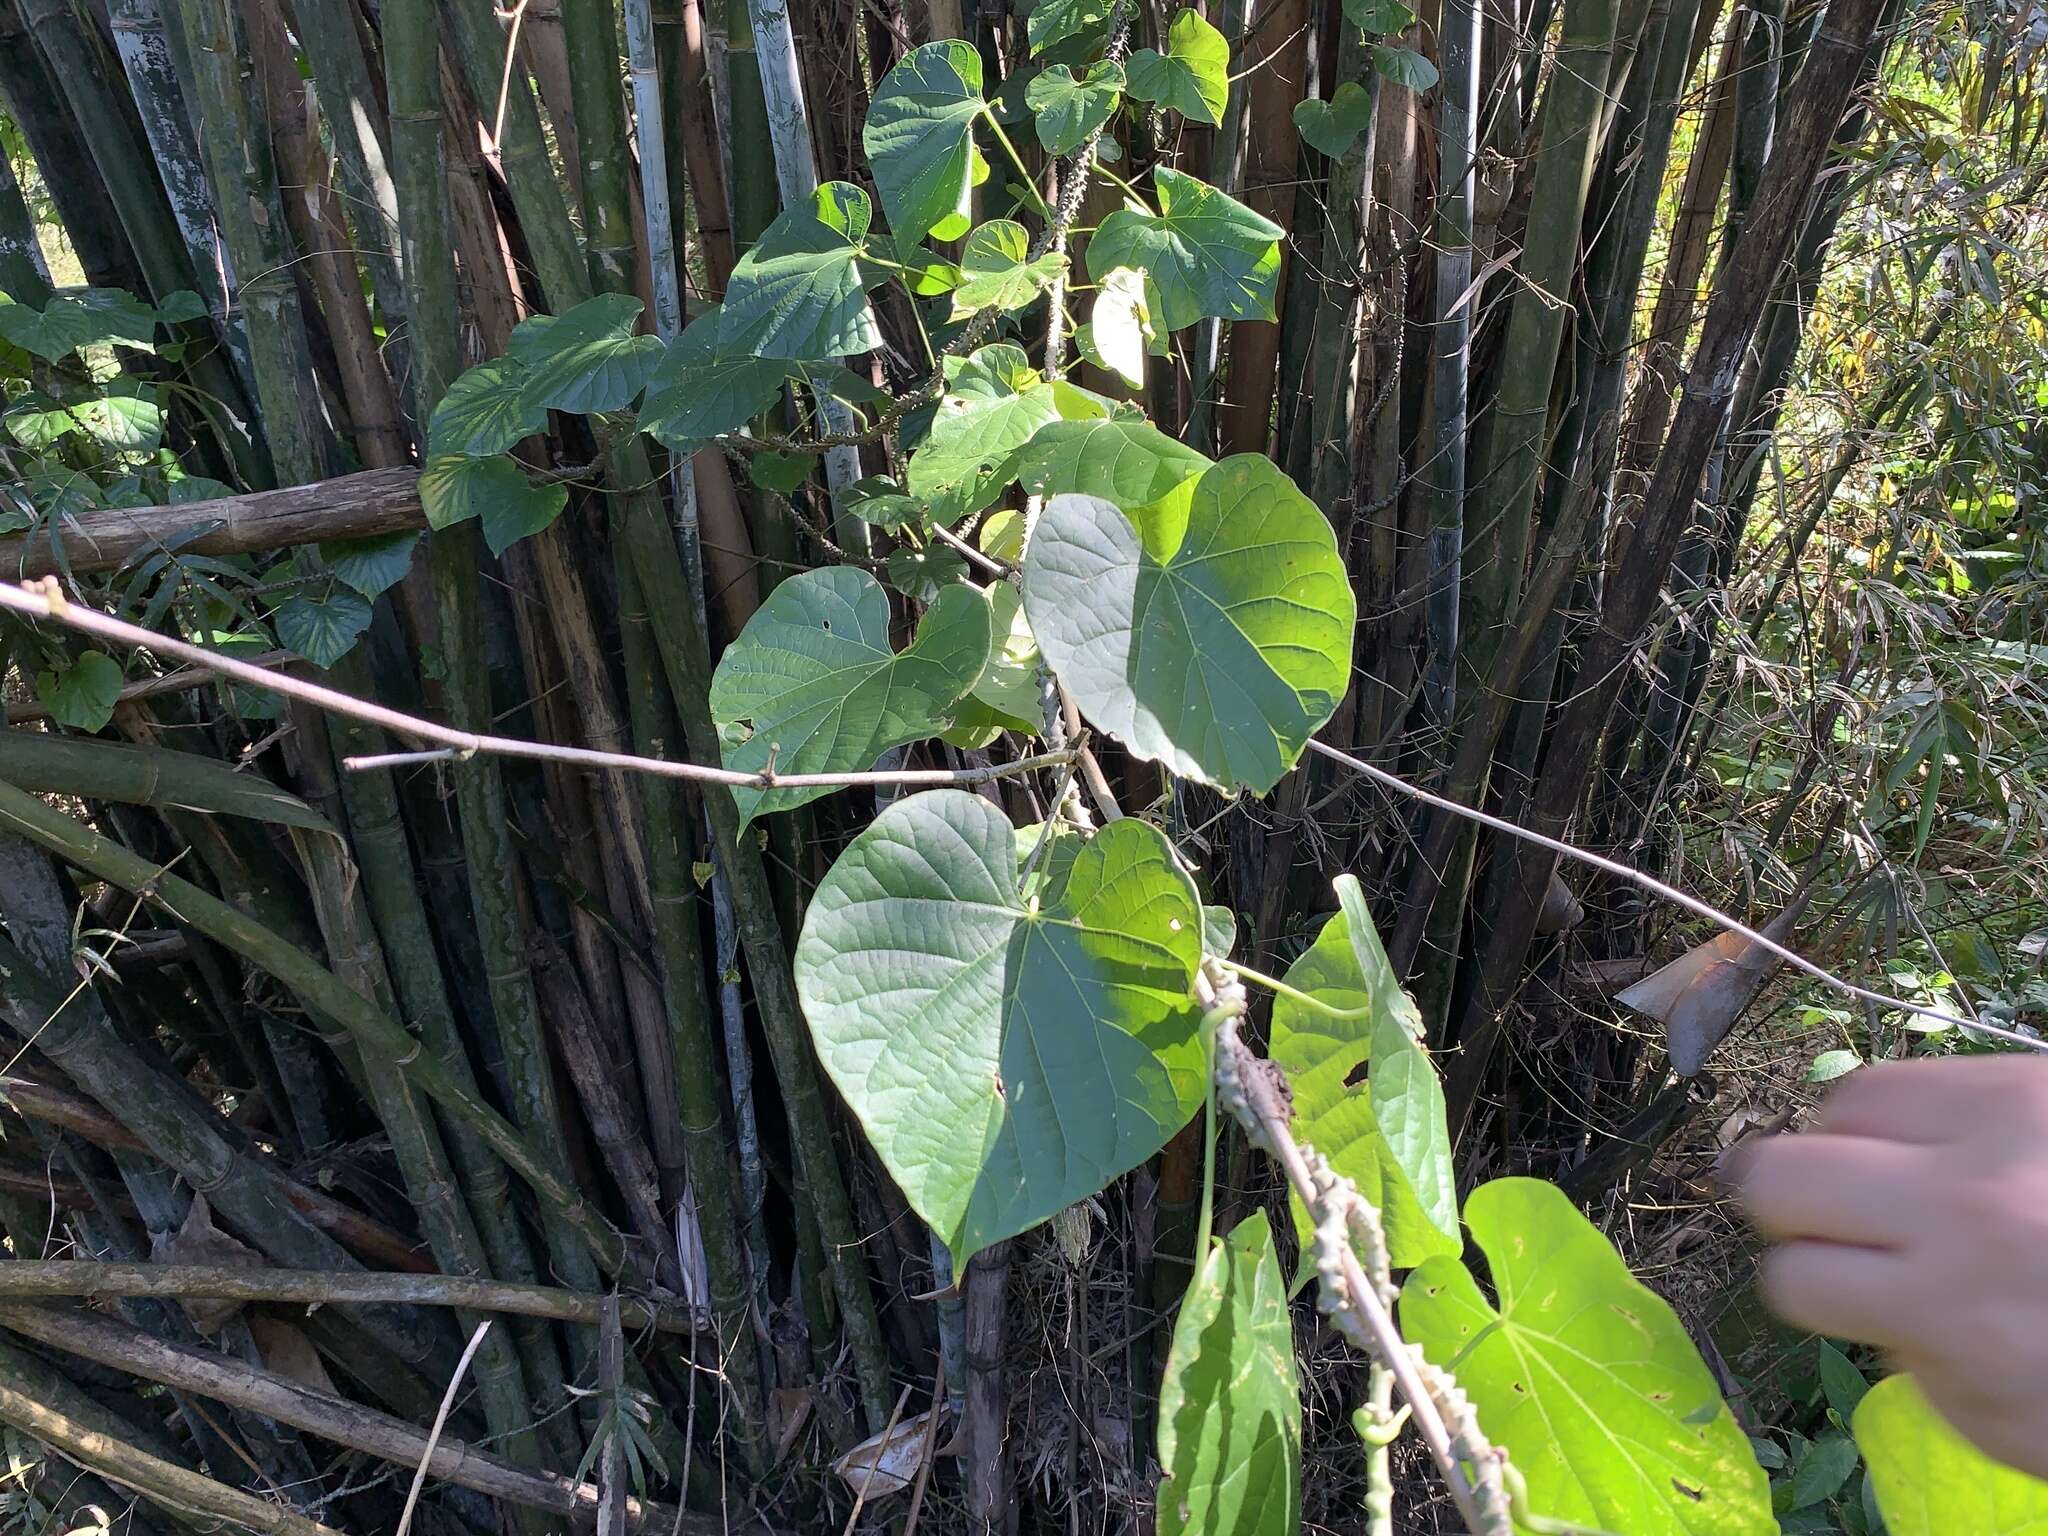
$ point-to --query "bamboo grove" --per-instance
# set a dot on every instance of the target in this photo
(566, 372)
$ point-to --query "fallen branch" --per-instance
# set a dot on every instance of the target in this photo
(349, 507)
(318, 1287)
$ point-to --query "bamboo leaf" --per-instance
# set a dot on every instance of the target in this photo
(799, 292)
(1006, 1057)
(919, 136)
(813, 684)
(486, 411)
(1585, 1375)
(82, 694)
(1208, 255)
(455, 488)
(1209, 630)
(1068, 110)
(322, 629)
(995, 272)
(1404, 66)
(1930, 1481)
(1121, 459)
(1192, 76)
(587, 360)
(1333, 126)
(1229, 1403)
(1360, 1126)
(373, 565)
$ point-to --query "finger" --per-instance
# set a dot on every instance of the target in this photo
(1842, 1189)
(1844, 1292)
(1925, 1102)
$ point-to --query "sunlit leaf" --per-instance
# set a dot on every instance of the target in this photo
(1229, 1405)
(812, 679)
(994, 404)
(323, 628)
(1210, 630)
(1930, 1481)
(799, 292)
(1585, 1375)
(1068, 109)
(1129, 462)
(920, 138)
(485, 411)
(1192, 75)
(1333, 126)
(1055, 21)
(1121, 322)
(996, 272)
(1005, 1057)
(1206, 253)
(496, 491)
(587, 360)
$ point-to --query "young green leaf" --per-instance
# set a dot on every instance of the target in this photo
(1210, 630)
(1333, 126)
(1585, 1375)
(1122, 460)
(485, 411)
(1388, 1133)
(1930, 1481)
(587, 360)
(1009, 684)
(813, 682)
(1067, 111)
(1192, 76)
(322, 628)
(84, 693)
(994, 404)
(995, 272)
(1121, 324)
(799, 293)
(1404, 66)
(919, 137)
(1206, 253)
(1006, 1057)
(1229, 1404)
(455, 488)
(371, 565)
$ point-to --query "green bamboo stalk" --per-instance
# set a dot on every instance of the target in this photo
(608, 241)
(24, 274)
(97, 769)
(325, 994)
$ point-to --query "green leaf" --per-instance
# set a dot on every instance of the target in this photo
(1388, 1133)
(454, 489)
(1067, 111)
(323, 629)
(585, 361)
(1009, 684)
(66, 325)
(373, 565)
(179, 307)
(1379, 18)
(1122, 460)
(781, 473)
(485, 411)
(696, 394)
(1829, 1065)
(1333, 126)
(1404, 66)
(1585, 1375)
(1229, 1405)
(1120, 324)
(799, 292)
(1210, 631)
(1823, 1468)
(922, 574)
(812, 679)
(1208, 255)
(880, 501)
(83, 695)
(919, 137)
(125, 419)
(1055, 21)
(994, 405)
(1005, 1058)
(1843, 1383)
(1192, 76)
(995, 273)
(1930, 1481)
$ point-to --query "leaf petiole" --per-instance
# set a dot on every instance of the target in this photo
(1295, 994)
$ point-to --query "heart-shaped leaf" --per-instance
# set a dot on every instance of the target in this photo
(1930, 1481)
(994, 404)
(83, 695)
(587, 360)
(1388, 1133)
(1404, 66)
(1229, 1405)
(1192, 76)
(1585, 1375)
(1207, 254)
(124, 418)
(1055, 21)
(322, 626)
(485, 411)
(1210, 630)
(1381, 18)
(455, 488)
(920, 139)
(371, 565)
(1333, 126)
(64, 325)
(1123, 460)
(1006, 1056)
(799, 292)
(813, 681)
(996, 272)
(1067, 111)
(695, 394)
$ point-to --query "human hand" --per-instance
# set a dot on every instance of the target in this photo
(1914, 1216)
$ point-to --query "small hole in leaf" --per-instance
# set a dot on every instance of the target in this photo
(1691, 1493)
(1520, 1388)
(828, 625)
